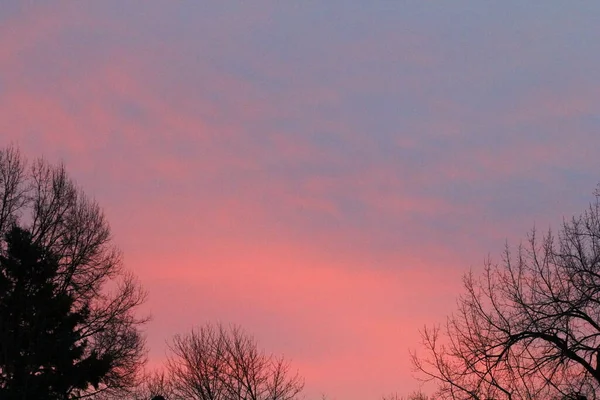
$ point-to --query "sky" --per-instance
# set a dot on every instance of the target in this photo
(320, 173)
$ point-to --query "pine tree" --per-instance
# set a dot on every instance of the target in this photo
(41, 349)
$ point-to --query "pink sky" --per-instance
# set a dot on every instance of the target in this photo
(322, 175)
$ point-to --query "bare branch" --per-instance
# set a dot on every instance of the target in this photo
(217, 363)
(528, 328)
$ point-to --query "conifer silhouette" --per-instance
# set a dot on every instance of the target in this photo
(41, 350)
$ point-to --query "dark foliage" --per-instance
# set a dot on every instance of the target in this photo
(42, 354)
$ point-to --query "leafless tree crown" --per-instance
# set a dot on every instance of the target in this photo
(417, 395)
(218, 363)
(527, 328)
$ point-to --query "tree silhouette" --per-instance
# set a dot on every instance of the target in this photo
(155, 385)
(63, 221)
(217, 363)
(417, 395)
(42, 354)
(528, 328)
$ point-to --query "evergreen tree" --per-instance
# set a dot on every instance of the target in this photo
(42, 353)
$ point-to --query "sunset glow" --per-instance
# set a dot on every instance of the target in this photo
(321, 174)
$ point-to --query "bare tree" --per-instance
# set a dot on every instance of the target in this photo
(13, 190)
(218, 363)
(61, 218)
(152, 385)
(529, 327)
(417, 395)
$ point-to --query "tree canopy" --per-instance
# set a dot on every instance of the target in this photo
(42, 354)
(82, 263)
(218, 363)
(527, 327)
